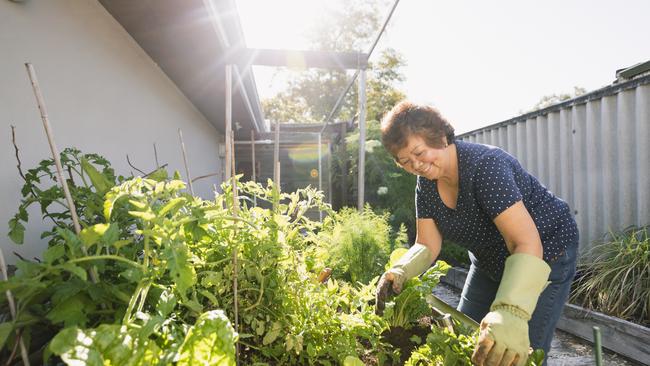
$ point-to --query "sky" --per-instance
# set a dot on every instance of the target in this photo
(478, 62)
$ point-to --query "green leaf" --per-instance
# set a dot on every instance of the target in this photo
(71, 239)
(92, 234)
(272, 334)
(5, 330)
(109, 202)
(210, 296)
(111, 235)
(148, 216)
(53, 253)
(158, 175)
(166, 303)
(182, 273)
(16, 231)
(98, 180)
(172, 206)
(70, 311)
(211, 341)
(138, 204)
(76, 270)
(131, 274)
(352, 361)
(73, 345)
(107, 344)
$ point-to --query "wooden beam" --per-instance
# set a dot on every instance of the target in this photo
(298, 59)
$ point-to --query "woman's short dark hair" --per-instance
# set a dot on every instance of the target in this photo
(406, 119)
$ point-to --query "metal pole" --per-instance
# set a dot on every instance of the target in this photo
(598, 351)
(276, 154)
(329, 171)
(320, 171)
(362, 140)
(228, 120)
(337, 105)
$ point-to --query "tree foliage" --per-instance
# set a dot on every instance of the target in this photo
(549, 100)
(311, 94)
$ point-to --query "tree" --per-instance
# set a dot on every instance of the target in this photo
(311, 94)
(549, 100)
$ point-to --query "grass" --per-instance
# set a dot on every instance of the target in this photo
(614, 278)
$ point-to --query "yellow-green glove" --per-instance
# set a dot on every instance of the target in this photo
(413, 263)
(503, 339)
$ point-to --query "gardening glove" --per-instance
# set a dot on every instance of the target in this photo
(415, 261)
(503, 338)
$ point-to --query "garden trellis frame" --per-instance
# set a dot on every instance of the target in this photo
(246, 57)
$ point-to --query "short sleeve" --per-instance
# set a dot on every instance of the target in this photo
(423, 199)
(495, 186)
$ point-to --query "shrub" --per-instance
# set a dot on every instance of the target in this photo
(614, 278)
(356, 245)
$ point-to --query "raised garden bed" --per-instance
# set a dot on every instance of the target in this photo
(625, 338)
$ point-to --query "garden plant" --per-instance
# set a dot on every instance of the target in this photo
(157, 276)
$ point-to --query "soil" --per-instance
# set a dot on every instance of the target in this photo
(403, 338)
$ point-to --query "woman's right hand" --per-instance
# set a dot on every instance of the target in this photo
(390, 283)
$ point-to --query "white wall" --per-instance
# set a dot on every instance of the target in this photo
(103, 94)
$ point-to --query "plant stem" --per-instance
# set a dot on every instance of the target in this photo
(113, 257)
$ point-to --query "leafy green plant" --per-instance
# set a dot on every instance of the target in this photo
(390, 189)
(454, 254)
(355, 244)
(164, 259)
(446, 348)
(87, 186)
(614, 276)
(410, 304)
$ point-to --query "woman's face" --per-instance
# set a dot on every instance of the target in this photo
(420, 159)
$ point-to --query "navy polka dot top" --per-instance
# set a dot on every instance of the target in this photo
(490, 181)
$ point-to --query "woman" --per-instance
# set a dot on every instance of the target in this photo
(522, 239)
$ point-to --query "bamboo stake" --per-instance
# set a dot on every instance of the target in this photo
(235, 255)
(228, 119)
(253, 164)
(187, 167)
(12, 308)
(229, 138)
(155, 155)
(57, 159)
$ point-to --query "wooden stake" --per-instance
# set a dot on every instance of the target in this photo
(235, 254)
(12, 308)
(57, 159)
(187, 167)
(155, 155)
(253, 164)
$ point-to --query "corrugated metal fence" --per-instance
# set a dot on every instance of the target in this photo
(593, 151)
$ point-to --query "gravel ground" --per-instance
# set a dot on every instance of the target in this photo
(566, 349)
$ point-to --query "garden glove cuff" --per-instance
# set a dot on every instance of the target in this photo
(415, 261)
(504, 330)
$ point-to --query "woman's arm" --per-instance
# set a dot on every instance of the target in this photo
(427, 234)
(413, 263)
(519, 231)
